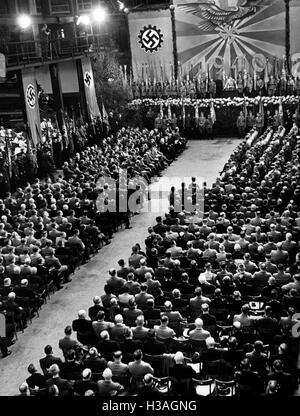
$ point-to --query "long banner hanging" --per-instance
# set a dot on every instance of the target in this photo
(151, 41)
(89, 87)
(231, 35)
(32, 104)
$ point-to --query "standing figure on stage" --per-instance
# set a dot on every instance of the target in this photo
(282, 85)
(202, 87)
(290, 85)
(143, 90)
(259, 123)
(212, 88)
(250, 121)
(260, 86)
(241, 124)
(173, 121)
(201, 125)
(209, 127)
(269, 119)
(249, 85)
(272, 86)
(158, 122)
(277, 120)
(183, 91)
(168, 90)
(159, 90)
(174, 91)
(240, 85)
(192, 90)
(230, 84)
(136, 90)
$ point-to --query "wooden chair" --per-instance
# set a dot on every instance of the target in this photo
(211, 368)
(204, 388)
(225, 388)
(163, 385)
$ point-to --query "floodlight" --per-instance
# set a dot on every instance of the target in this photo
(24, 21)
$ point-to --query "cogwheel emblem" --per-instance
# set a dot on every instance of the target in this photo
(150, 38)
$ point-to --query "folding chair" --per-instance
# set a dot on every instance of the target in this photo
(225, 388)
(204, 387)
(163, 385)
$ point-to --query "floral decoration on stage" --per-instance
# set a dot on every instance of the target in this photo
(217, 102)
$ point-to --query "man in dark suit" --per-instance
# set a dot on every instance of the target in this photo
(36, 379)
(71, 369)
(95, 361)
(46, 362)
(93, 310)
(129, 345)
(84, 329)
(81, 386)
(107, 345)
(63, 385)
(153, 346)
(151, 313)
(285, 380)
(67, 343)
(160, 228)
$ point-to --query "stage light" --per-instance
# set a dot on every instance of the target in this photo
(121, 5)
(24, 21)
(84, 19)
(99, 14)
(126, 10)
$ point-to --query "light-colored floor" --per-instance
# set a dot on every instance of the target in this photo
(203, 159)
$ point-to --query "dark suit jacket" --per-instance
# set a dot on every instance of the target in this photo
(47, 361)
(64, 386)
(36, 380)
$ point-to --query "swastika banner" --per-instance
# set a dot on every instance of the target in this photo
(32, 104)
(151, 43)
(89, 88)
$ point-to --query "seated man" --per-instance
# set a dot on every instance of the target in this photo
(49, 359)
(248, 381)
(163, 331)
(181, 376)
(198, 334)
(118, 368)
(107, 387)
(138, 368)
(84, 329)
(85, 384)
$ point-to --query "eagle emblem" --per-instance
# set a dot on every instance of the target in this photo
(215, 14)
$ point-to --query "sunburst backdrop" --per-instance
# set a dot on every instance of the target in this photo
(230, 34)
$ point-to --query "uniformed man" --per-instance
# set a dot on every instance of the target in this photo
(250, 121)
(260, 85)
(277, 119)
(158, 122)
(240, 85)
(282, 85)
(241, 124)
(143, 90)
(272, 87)
(259, 122)
(209, 127)
(201, 125)
(212, 88)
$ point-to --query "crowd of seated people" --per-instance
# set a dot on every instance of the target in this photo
(48, 229)
(209, 306)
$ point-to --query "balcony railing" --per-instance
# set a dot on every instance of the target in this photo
(22, 53)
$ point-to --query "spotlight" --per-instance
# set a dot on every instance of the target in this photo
(99, 14)
(24, 21)
(84, 19)
(121, 5)
(126, 10)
